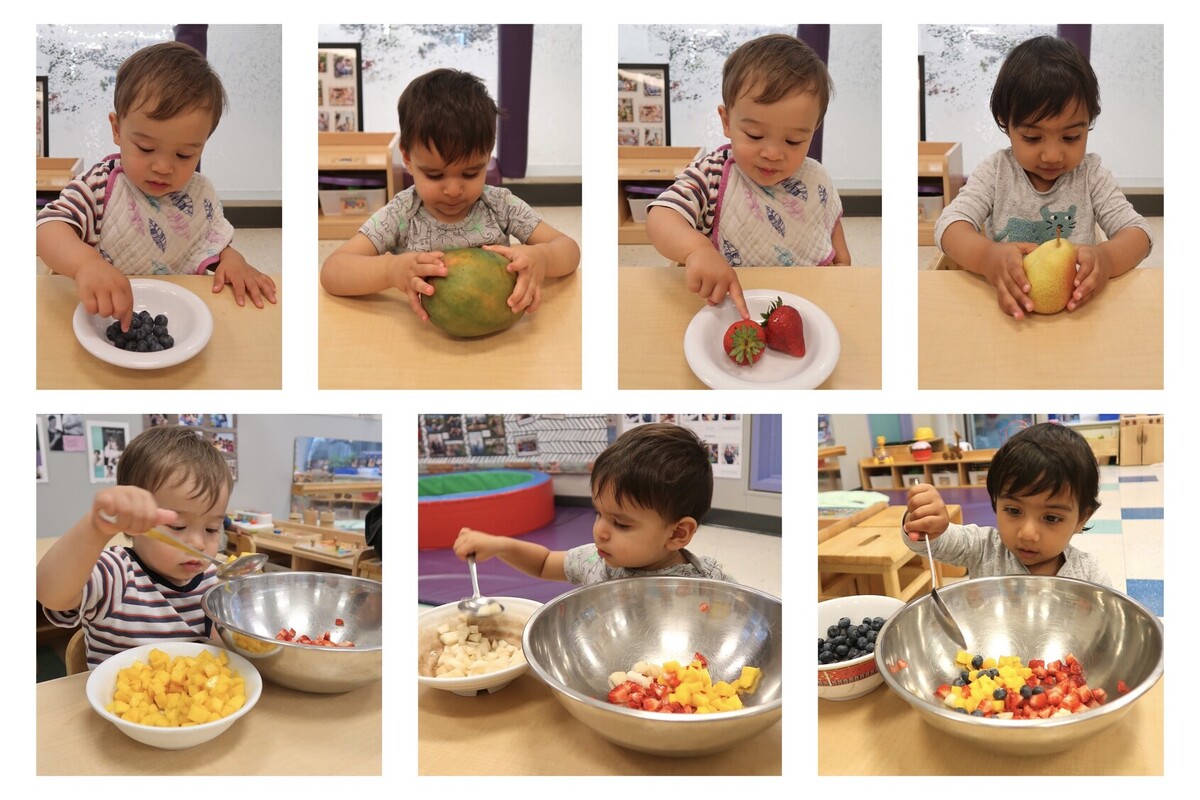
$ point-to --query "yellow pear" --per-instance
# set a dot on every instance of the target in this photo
(1051, 273)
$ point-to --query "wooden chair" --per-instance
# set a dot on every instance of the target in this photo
(76, 655)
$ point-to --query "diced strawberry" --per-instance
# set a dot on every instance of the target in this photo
(1099, 695)
(1054, 697)
(1037, 701)
(1012, 701)
(338, 621)
(943, 690)
(1046, 713)
(1072, 701)
(1035, 663)
(703, 661)
(1085, 694)
(620, 694)
(1122, 687)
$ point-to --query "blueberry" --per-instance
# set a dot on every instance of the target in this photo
(145, 315)
(167, 341)
(959, 682)
(156, 348)
(999, 694)
(965, 675)
(161, 319)
(877, 623)
(977, 662)
(1038, 690)
(825, 657)
(961, 710)
(870, 648)
(832, 631)
(1026, 692)
(853, 654)
(142, 347)
(872, 635)
(135, 323)
(841, 650)
(844, 622)
(977, 712)
(131, 346)
(866, 622)
(159, 330)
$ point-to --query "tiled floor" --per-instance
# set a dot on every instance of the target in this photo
(1126, 533)
(753, 558)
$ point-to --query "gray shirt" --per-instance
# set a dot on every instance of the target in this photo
(980, 550)
(405, 224)
(583, 565)
(1001, 203)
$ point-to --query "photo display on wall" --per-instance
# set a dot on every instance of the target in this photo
(559, 443)
(339, 87)
(643, 107)
(219, 430)
(721, 433)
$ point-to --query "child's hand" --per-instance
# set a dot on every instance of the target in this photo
(1094, 272)
(1006, 271)
(531, 274)
(127, 509)
(710, 276)
(408, 271)
(926, 513)
(103, 289)
(244, 279)
(483, 545)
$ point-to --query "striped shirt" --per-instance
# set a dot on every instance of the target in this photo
(694, 193)
(126, 604)
(81, 203)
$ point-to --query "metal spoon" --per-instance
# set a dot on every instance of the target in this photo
(225, 569)
(476, 606)
(942, 613)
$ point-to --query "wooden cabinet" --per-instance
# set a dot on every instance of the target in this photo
(367, 153)
(352, 499)
(646, 166)
(970, 470)
(1141, 439)
(53, 175)
(940, 161)
(829, 470)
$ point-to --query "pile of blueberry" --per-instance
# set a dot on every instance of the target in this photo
(844, 641)
(146, 334)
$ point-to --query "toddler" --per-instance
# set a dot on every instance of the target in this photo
(447, 132)
(148, 592)
(650, 488)
(758, 200)
(1045, 100)
(1043, 484)
(146, 210)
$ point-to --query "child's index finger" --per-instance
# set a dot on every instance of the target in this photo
(739, 299)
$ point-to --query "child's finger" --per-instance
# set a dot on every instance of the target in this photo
(739, 298)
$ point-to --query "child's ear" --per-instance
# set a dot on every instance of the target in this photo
(682, 533)
(406, 159)
(116, 127)
(724, 115)
(1083, 519)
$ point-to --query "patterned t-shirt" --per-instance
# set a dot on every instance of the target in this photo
(405, 224)
(126, 604)
(583, 565)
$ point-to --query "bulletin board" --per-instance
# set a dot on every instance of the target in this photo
(219, 430)
(721, 434)
(643, 105)
(339, 87)
(555, 443)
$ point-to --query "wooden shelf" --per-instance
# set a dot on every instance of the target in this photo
(354, 152)
(942, 160)
(961, 469)
(646, 165)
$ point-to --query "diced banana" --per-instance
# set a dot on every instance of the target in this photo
(616, 679)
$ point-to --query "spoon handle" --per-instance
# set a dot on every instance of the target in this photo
(474, 576)
(166, 538)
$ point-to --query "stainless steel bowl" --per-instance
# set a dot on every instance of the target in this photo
(576, 640)
(1113, 636)
(249, 611)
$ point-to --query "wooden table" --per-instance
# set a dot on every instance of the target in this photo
(524, 730)
(286, 733)
(967, 342)
(656, 307)
(377, 342)
(300, 559)
(880, 734)
(245, 351)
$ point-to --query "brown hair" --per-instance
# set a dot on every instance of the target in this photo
(774, 67)
(166, 80)
(1046, 457)
(661, 467)
(164, 454)
(1041, 78)
(450, 111)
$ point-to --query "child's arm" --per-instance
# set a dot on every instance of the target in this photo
(1097, 263)
(547, 253)
(64, 570)
(244, 279)
(102, 288)
(708, 273)
(926, 513)
(841, 253)
(532, 559)
(1002, 263)
(357, 268)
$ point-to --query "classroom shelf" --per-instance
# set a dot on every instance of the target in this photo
(643, 166)
(369, 153)
(939, 160)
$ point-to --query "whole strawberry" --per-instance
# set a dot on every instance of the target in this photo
(745, 342)
(784, 329)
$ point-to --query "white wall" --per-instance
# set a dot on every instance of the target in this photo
(852, 149)
(961, 66)
(244, 156)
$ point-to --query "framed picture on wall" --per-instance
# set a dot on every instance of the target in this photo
(339, 87)
(643, 105)
(43, 117)
(106, 442)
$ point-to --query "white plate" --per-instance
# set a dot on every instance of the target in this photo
(188, 319)
(705, 352)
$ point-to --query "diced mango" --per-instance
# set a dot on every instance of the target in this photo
(178, 692)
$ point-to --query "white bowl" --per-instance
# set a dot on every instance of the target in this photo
(188, 318)
(847, 680)
(508, 625)
(102, 683)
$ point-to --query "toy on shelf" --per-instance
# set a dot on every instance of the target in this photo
(881, 453)
(955, 451)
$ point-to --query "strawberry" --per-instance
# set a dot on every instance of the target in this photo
(745, 342)
(784, 328)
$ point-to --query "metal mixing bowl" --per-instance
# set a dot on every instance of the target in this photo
(577, 639)
(249, 611)
(1113, 636)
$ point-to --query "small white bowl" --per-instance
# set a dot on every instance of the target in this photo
(102, 683)
(509, 625)
(847, 680)
(188, 319)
